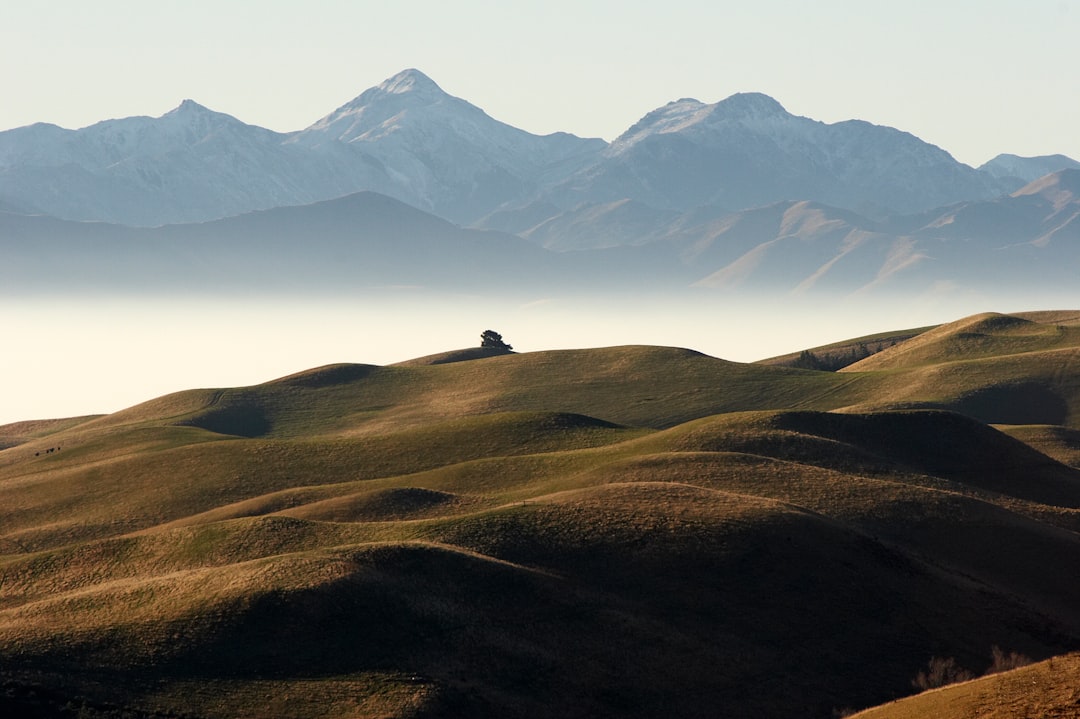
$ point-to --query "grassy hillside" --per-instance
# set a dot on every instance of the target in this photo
(1046, 689)
(981, 336)
(832, 357)
(1000, 369)
(629, 531)
(12, 435)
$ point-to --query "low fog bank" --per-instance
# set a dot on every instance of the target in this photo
(70, 356)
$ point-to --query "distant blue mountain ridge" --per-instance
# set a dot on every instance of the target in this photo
(408, 139)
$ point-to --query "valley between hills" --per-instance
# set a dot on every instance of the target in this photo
(630, 531)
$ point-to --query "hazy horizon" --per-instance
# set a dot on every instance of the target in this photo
(97, 356)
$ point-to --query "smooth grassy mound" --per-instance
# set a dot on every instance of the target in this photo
(634, 386)
(462, 355)
(393, 503)
(932, 442)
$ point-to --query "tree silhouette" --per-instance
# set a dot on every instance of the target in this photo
(490, 339)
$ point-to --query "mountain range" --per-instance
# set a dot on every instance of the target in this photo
(405, 138)
(407, 185)
(408, 139)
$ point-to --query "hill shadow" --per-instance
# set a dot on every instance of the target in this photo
(1018, 403)
(239, 420)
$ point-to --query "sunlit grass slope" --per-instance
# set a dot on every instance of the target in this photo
(846, 352)
(1001, 369)
(18, 433)
(977, 337)
(622, 532)
(637, 386)
(1044, 690)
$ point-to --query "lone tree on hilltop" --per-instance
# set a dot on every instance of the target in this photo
(492, 340)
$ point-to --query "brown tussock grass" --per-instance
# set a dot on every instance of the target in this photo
(1047, 690)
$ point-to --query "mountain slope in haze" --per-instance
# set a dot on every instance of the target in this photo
(795, 247)
(747, 151)
(1033, 216)
(1027, 242)
(626, 531)
(1027, 169)
(593, 226)
(1024, 240)
(351, 244)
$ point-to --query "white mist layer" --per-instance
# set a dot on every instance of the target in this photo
(68, 358)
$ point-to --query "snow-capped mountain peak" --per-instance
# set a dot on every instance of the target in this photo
(409, 88)
(444, 153)
(749, 106)
(187, 107)
(380, 110)
(747, 150)
(672, 117)
(686, 114)
(186, 125)
(188, 121)
(410, 80)
(193, 115)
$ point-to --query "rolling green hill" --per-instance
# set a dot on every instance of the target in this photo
(624, 532)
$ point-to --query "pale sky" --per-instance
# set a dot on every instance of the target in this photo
(976, 77)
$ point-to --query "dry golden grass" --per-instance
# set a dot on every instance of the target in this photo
(846, 352)
(985, 335)
(1070, 318)
(1000, 369)
(630, 532)
(635, 386)
(1061, 443)
(16, 433)
(1047, 690)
